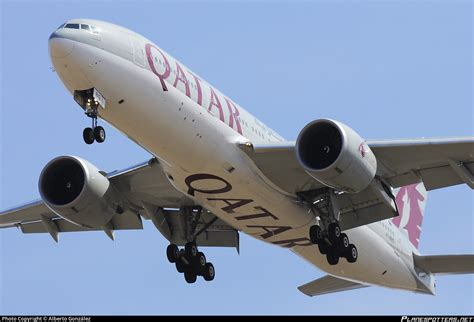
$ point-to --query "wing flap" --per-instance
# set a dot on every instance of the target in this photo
(126, 221)
(365, 216)
(445, 264)
(328, 284)
(214, 231)
(439, 177)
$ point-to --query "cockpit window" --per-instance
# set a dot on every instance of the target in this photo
(72, 26)
(85, 27)
(92, 29)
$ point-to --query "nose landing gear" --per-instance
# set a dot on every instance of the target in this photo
(90, 100)
(96, 132)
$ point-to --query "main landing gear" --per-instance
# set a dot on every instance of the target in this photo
(190, 261)
(333, 244)
(331, 241)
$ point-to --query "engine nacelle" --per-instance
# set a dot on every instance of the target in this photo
(75, 190)
(335, 155)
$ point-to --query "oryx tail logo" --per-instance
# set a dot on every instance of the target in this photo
(411, 202)
(363, 149)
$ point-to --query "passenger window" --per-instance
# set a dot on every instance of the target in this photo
(85, 27)
(72, 26)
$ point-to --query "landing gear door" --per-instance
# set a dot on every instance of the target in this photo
(99, 98)
(138, 51)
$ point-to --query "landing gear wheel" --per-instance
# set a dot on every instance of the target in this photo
(172, 252)
(316, 234)
(191, 250)
(323, 247)
(352, 253)
(334, 232)
(99, 134)
(180, 266)
(343, 243)
(209, 273)
(332, 258)
(200, 261)
(88, 135)
(190, 276)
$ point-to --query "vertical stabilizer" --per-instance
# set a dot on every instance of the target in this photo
(411, 201)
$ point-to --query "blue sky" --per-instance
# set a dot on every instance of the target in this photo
(389, 69)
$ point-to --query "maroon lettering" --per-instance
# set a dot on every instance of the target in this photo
(271, 230)
(204, 176)
(233, 115)
(151, 62)
(289, 243)
(232, 204)
(199, 90)
(215, 102)
(265, 213)
(181, 76)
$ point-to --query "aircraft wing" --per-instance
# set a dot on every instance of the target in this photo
(328, 284)
(437, 162)
(153, 197)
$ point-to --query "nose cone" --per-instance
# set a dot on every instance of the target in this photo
(59, 47)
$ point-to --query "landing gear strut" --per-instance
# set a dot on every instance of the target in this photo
(328, 235)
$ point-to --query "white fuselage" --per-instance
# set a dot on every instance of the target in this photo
(194, 130)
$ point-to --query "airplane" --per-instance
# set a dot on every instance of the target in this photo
(349, 206)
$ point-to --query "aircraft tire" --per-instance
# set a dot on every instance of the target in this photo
(352, 253)
(343, 243)
(88, 135)
(190, 276)
(200, 262)
(323, 248)
(180, 266)
(172, 253)
(99, 134)
(316, 234)
(332, 258)
(209, 272)
(334, 232)
(191, 250)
